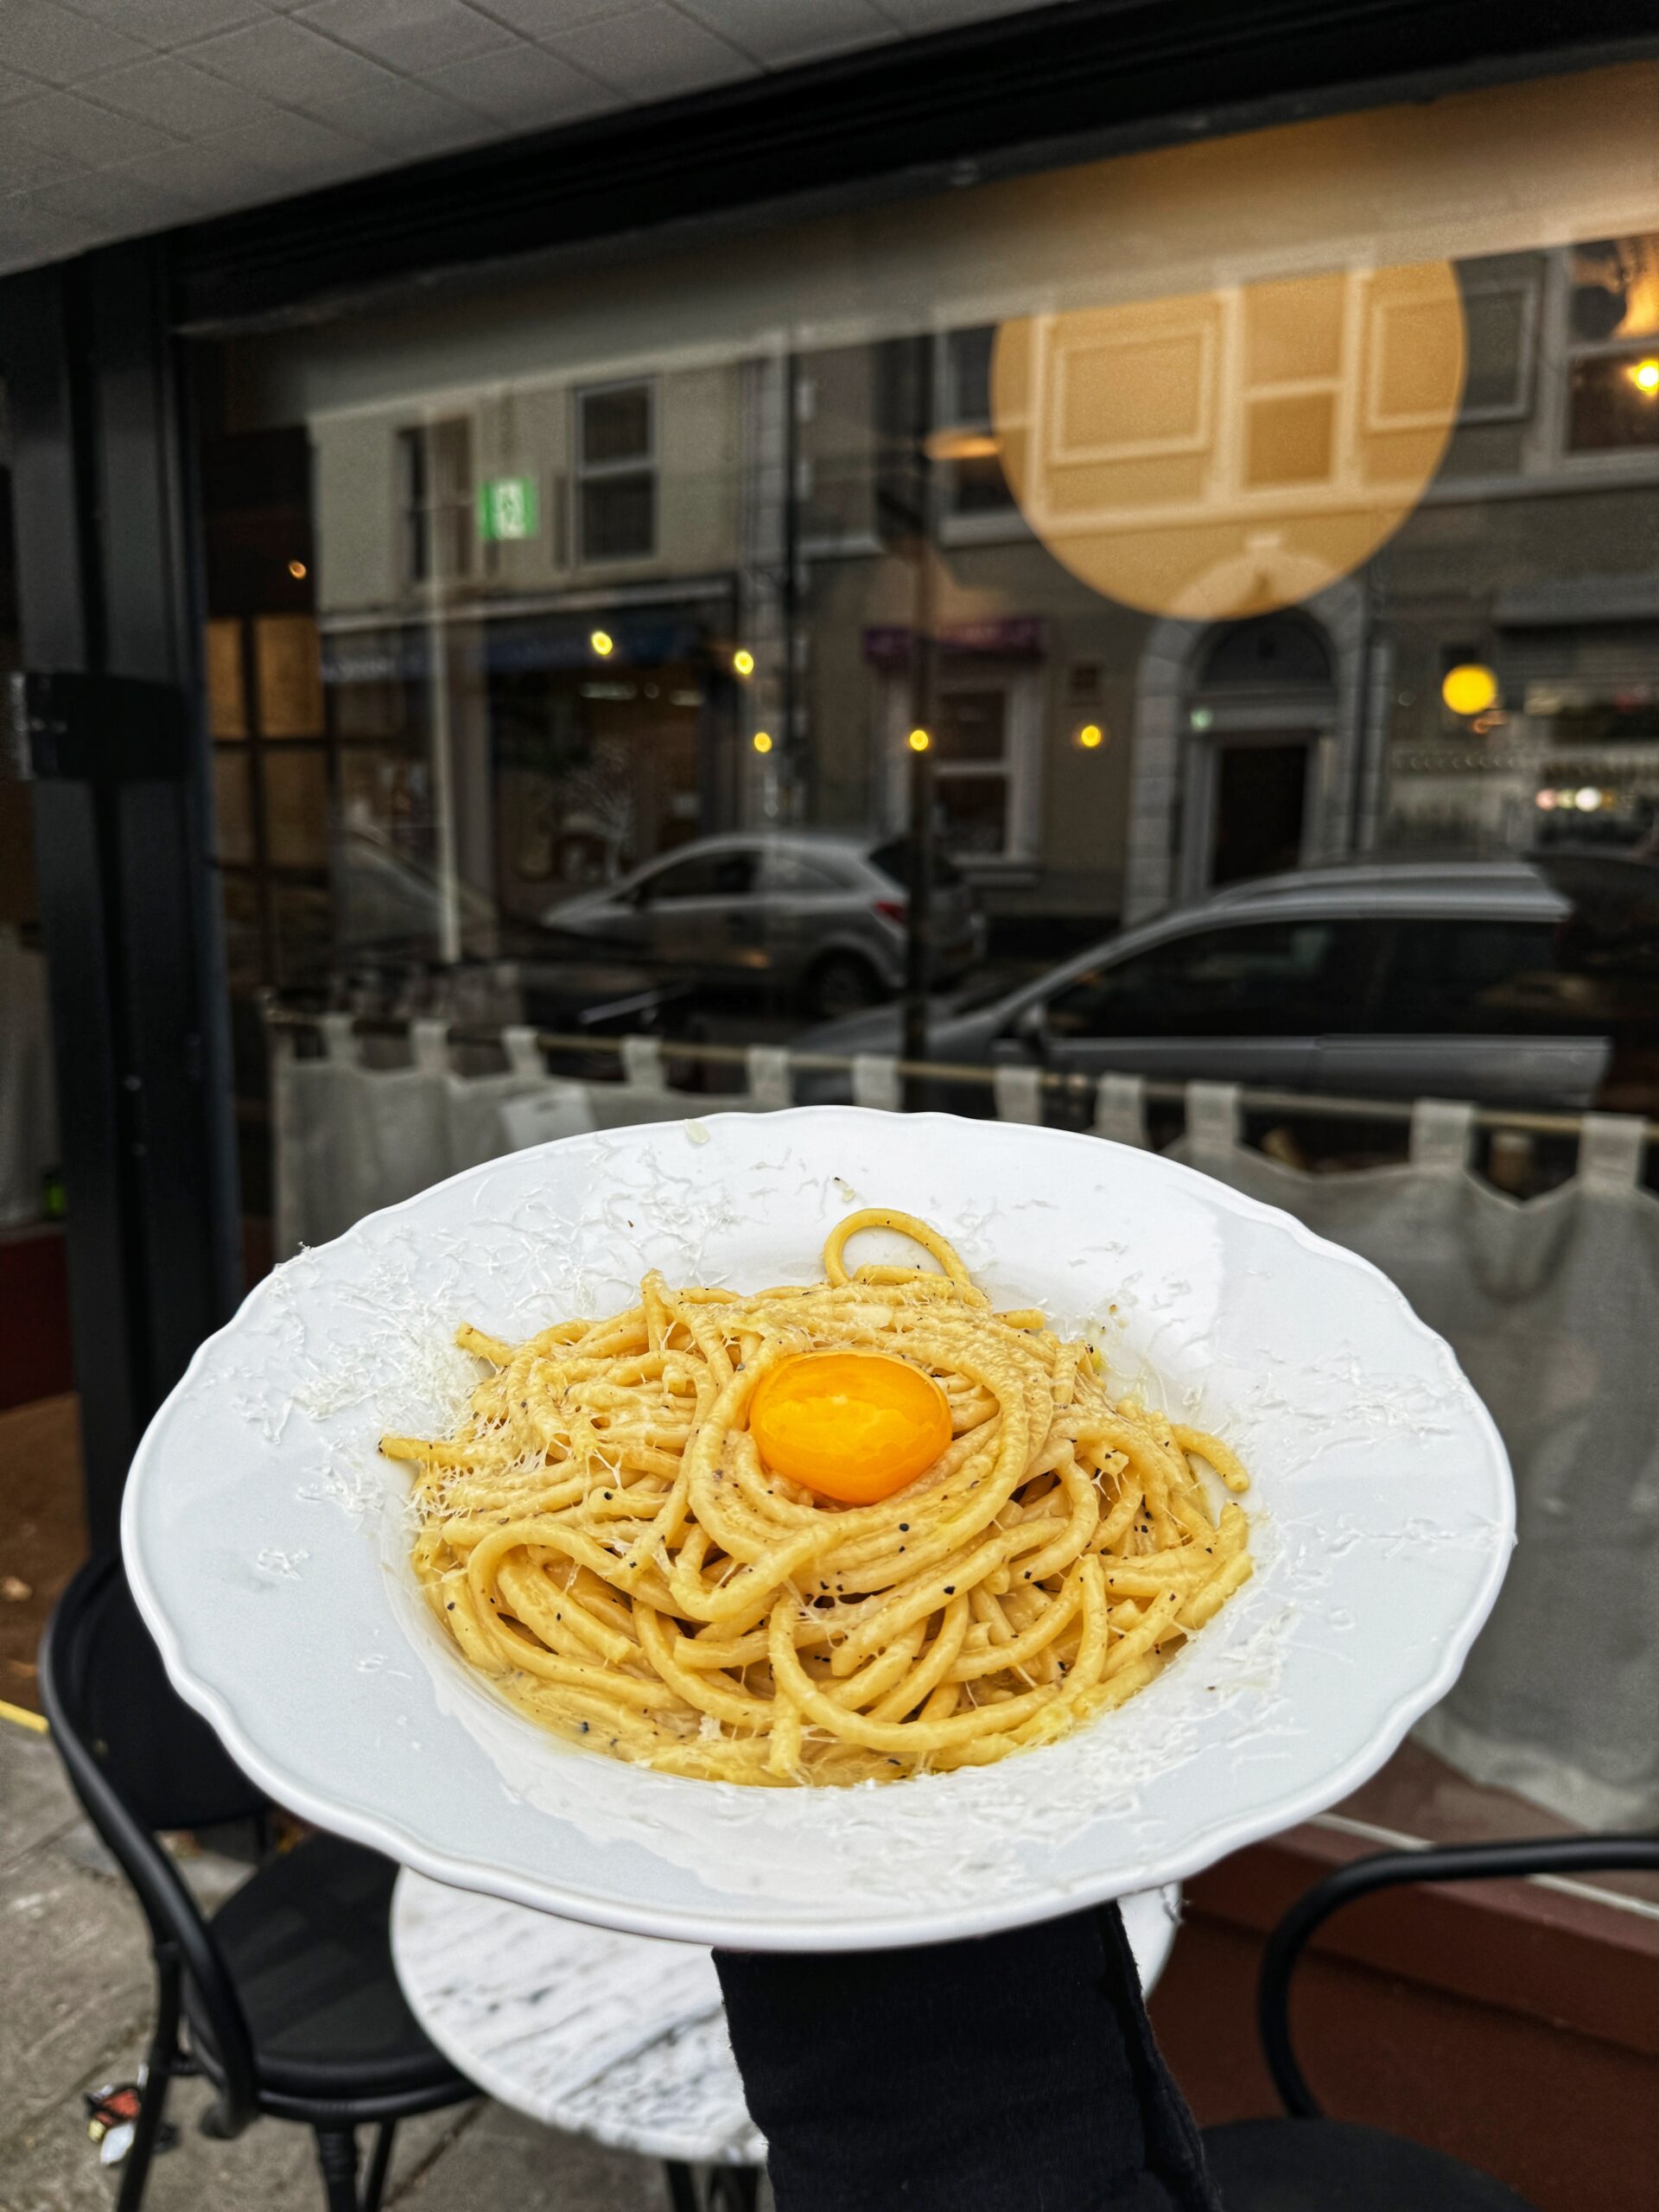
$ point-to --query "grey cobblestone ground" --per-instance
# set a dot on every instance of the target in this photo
(76, 1994)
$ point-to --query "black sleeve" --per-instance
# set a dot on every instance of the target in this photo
(1016, 2073)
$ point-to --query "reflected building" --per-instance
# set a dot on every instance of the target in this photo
(1170, 541)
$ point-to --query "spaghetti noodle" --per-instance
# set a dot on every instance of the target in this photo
(603, 1537)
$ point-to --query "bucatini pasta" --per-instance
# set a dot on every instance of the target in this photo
(604, 1537)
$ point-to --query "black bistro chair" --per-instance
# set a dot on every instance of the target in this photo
(287, 1993)
(1310, 2163)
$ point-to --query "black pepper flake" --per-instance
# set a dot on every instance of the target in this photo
(904, 1527)
(950, 1589)
(584, 1724)
(450, 1607)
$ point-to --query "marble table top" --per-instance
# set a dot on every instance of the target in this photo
(619, 2037)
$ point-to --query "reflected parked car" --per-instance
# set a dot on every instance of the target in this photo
(819, 919)
(1375, 981)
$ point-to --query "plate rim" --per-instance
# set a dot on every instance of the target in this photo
(783, 1932)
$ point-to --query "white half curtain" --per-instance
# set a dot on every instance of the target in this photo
(1550, 1306)
(351, 1137)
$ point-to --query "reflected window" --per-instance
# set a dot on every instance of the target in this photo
(974, 484)
(788, 874)
(1481, 978)
(705, 875)
(1500, 319)
(1256, 979)
(1613, 372)
(435, 475)
(617, 478)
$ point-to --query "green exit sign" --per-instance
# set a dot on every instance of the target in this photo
(507, 507)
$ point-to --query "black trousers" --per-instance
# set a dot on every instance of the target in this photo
(1016, 2073)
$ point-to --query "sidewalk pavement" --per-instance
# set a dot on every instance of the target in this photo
(76, 2001)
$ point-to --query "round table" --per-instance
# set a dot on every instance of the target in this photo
(618, 2037)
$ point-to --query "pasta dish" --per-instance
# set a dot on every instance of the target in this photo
(864, 1529)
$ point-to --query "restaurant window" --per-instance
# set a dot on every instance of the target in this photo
(1613, 376)
(617, 475)
(1304, 527)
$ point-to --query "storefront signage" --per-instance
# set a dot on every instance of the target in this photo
(507, 507)
(1003, 636)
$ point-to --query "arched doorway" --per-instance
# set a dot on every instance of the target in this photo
(1262, 712)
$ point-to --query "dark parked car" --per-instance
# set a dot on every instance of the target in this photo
(1386, 981)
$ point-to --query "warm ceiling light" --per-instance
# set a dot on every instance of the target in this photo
(743, 661)
(297, 569)
(602, 643)
(1589, 799)
(1469, 688)
(919, 740)
(1091, 737)
(1644, 375)
(1546, 800)
(761, 740)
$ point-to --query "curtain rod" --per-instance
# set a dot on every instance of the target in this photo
(1313, 1103)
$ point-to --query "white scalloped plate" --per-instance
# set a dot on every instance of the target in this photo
(266, 1540)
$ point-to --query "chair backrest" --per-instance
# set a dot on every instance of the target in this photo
(139, 1759)
(1389, 1870)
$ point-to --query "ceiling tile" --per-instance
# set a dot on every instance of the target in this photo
(213, 176)
(651, 53)
(301, 150)
(413, 35)
(142, 204)
(14, 87)
(526, 86)
(83, 136)
(175, 95)
(49, 42)
(23, 165)
(916, 16)
(287, 62)
(404, 117)
(781, 31)
(29, 235)
(164, 23)
(545, 19)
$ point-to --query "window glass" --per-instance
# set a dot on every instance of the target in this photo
(1492, 977)
(1252, 979)
(783, 871)
(1120, 533)
(727, 875)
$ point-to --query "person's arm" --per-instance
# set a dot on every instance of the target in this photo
(1016, 2073)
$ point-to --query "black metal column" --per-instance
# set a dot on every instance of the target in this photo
(128, 901)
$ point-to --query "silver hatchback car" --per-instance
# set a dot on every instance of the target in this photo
(816, 917)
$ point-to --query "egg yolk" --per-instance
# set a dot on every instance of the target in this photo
(852, 1426)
